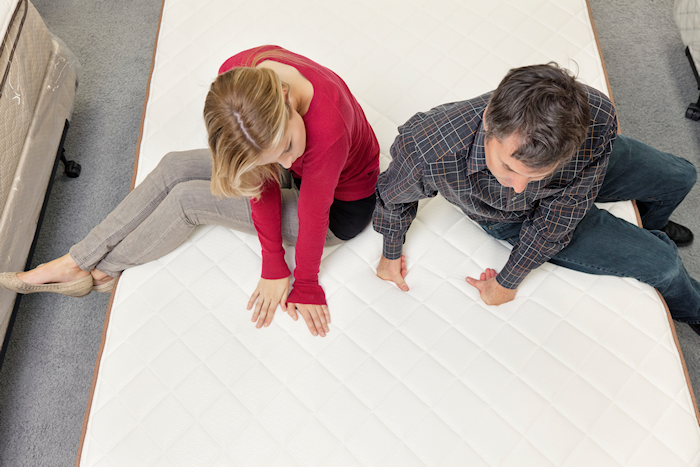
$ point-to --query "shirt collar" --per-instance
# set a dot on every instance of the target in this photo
(477, 156)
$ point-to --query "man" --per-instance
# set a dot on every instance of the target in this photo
(527, 162)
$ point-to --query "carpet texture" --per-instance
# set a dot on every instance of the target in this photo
(47, 373)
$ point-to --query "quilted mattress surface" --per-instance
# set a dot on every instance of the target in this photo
(579, 370)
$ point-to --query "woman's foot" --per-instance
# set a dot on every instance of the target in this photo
(100, 277)
(105, 284)
(101, 282)
(61, 276)
(75, 288)
(58, 271)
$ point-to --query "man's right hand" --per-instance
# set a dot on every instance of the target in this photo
(393, 270)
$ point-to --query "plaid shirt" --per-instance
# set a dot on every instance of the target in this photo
(442, 151)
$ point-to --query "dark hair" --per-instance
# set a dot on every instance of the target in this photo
(546, 108)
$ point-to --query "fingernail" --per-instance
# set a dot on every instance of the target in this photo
(314, 333)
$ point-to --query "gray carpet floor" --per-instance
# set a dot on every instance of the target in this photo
(47, 373)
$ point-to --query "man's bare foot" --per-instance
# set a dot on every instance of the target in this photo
(61, 269)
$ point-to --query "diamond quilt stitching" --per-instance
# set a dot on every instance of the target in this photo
(578, 369)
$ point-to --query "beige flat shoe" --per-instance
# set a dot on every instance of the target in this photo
(107, 287)
(77, 288)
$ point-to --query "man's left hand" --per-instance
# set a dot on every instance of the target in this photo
(492, 293)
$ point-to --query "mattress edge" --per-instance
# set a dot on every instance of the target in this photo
(148, 92)
(680, 354)
(98, 360)
(600, 51)
(639, 223)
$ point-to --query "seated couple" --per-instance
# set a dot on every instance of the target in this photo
(292, 158)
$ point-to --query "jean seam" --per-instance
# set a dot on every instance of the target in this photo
(213, 216)
(608, 271)
(160, 239)
(658, 204)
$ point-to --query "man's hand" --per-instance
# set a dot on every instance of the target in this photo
(492, 293)
(317, 317)
(268, 294)
(393, 270)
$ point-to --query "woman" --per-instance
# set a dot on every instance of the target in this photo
(291, 156)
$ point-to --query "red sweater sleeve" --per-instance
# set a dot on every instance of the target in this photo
(267, 218)
(315, 198)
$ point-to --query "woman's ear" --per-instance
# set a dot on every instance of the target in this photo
(288, 100)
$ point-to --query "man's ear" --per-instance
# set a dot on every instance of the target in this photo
(483, 117)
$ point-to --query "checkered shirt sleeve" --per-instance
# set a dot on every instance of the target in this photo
(398, 190)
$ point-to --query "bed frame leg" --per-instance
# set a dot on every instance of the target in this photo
(693, 110)
(71, 168)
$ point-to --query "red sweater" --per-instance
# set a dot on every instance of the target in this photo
(341, 161)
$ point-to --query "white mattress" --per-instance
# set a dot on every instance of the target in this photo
(578, 370)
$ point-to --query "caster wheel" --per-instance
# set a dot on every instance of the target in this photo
(72, 169)
(693, 112)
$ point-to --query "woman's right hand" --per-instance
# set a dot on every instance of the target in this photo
(267, 295)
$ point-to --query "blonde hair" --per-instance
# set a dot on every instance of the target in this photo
(245, 113)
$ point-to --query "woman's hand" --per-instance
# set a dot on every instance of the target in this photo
(317, 317)
(268, 294)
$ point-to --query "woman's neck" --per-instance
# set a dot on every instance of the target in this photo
(301, 91)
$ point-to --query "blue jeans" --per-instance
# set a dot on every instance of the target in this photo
(604, 244)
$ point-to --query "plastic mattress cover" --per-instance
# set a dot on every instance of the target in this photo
(578, 370)
(38, 76)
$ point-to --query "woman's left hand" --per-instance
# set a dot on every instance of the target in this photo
(269, 293)
(317, 317)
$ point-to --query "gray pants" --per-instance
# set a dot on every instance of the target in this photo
(159, 214)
